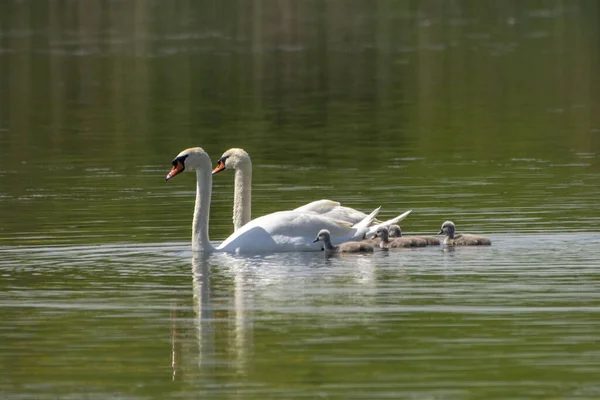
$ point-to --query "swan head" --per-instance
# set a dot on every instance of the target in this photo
(189, 160)
(447, 228)
(395, 231)
(323, 236)
(232, 159)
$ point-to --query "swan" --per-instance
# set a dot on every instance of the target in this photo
(448, 228)
(347, 247)
(238, 160)
(277, 232)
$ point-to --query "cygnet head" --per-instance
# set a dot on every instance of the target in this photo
(232, 159)
(189, 160)
(323, 236)
(447, 228)
(395, 231)
(382, 233)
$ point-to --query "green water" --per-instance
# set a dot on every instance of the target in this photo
(486, 113)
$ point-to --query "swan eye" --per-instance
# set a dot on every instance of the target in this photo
(220, 165)
(180, 159)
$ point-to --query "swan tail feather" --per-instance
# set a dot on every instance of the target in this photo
(367, 220)
(373, 229)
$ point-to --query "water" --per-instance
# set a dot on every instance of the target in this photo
(518, 319)
(480, 113)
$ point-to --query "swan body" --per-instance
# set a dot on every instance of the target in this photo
(396, 232)
(277, 232)
(453, 239)
(348, 247)
(289, 231)
(238, 160)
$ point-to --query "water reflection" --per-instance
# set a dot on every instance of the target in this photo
(283, 280)
(237, 311)
(203, 308)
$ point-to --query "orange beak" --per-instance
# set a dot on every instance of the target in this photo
(175, 170)
(220, 167)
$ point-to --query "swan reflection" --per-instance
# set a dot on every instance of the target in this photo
(229, 290)
(221, 311)
(203, 310)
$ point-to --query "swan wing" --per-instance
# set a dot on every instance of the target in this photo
(285, 231)
(319, 206)
(346, 214)
(333, 209)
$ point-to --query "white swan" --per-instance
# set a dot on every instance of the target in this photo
(277, 232)
(239, 161)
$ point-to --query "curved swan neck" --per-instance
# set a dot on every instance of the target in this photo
(200, 240)
(242, 195)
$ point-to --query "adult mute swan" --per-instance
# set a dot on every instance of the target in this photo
(239, 161)
(277, 232)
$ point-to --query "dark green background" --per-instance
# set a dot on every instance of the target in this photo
(483, 112)
(404, 104)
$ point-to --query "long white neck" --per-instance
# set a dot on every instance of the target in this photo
(242, 196)
(200, 240)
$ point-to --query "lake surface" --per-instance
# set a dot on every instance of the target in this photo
(485, 113)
